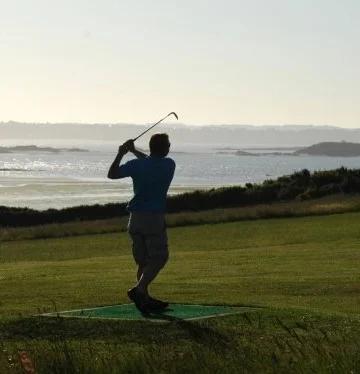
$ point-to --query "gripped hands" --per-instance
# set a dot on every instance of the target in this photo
(126, 147)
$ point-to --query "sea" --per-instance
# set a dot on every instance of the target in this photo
(43, 180)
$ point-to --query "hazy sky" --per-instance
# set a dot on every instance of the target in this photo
(223, 61)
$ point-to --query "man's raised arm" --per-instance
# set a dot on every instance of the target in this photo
(128, 146)
(113, 172)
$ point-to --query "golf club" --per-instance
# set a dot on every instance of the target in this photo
(172, 113)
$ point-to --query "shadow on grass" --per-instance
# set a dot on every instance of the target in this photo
(199, 333)
(57, 329)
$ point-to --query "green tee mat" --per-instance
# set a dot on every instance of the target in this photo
(172, 313)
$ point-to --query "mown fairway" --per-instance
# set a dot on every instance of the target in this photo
(301, 270)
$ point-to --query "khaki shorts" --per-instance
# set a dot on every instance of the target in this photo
(148, 234)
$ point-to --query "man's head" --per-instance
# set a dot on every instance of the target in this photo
(159, 145)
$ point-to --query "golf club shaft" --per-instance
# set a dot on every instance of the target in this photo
(144, 132)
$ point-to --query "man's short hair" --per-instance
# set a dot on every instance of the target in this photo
(159, 145)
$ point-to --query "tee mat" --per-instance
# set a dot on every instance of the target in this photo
(174, 312)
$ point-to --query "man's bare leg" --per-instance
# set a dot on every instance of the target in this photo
(146, 274)
(139, 274)
(149, 273)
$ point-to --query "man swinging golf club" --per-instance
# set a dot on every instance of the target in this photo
(151, 177)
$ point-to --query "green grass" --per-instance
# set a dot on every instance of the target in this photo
(303, 272)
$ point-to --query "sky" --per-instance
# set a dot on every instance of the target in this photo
(213, 62)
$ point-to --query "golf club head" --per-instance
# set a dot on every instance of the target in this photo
(173, 113)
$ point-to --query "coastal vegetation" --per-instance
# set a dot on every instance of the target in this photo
(333, 204)
(299, 186)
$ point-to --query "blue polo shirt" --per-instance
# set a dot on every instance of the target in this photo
(151, 180)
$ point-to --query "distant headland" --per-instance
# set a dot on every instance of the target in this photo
(34, 148)
(333, 149)
(330, 149)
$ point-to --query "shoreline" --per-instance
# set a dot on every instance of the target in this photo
(43, 194)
